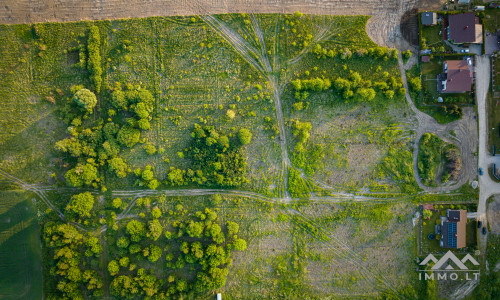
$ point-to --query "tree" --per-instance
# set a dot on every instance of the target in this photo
(94, 63)
(144, 124)
(118, 99)
(141, 110)
(407, 54)
(155, 253)
(416, 84)
(176, 176)
(232, 227)
(81, 174)
(124, 261)
(122, 242)
(113, 268)
(240, 244)
(150, 149)
(85, 99)
(81, 204)
(230, 114)
(195, 229)
(427, 214)
(128, 136)
(156, 212)
(366, 94)
(245, 136)
(136, 229)
(119, 166)
(116, 203)
(155, 229)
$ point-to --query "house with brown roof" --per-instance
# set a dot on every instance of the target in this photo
(456, 77)
(453, 229)
(465, 28)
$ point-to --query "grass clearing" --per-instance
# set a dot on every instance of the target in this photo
(20, 252)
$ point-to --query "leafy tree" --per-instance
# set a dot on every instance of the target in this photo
(147, 174)
(82, 174)
(176, 176)
(155, 229)
(94, 245)
(230, 114)
(113, 268)
(141, 110)
(232, 227)
(144, 124)
(155, 253)
(427, 214)
(81, 204)
(245, 136)
(123, 242)
(366, 94)
(153, 184)
(416, 84)
(85, 99)
(94, 62)
(240, 244)
(124, 261)
(116, 203)
(156, 212)
(150, 149)
(136, 229)
(118, 99)
(119, 166)
(195, 229)
(128, 136)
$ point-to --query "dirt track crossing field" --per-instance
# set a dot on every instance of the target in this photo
(383, 27)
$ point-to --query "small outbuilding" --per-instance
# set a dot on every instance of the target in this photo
(425, 58)
(429, 18)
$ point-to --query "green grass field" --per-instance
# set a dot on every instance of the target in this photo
(20, 252)
(328, 179)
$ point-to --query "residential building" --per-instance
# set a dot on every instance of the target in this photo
(465, 28)
(453, 229)
(429, 18)
(456, 77)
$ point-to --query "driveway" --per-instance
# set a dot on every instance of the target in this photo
(491, 44)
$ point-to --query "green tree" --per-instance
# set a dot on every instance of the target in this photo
(119, 166)
(155, 229)
(245, 136)
(155, 253)
(427, 214)
(366, 94)
(85, 99)
(128, 136)
(113, 268)
(81, 174)
(94, 63)
(156, 212)
(240, 244)
(116, 203)
(124, 261)
(81, 204)
(136, 229)
(122, 242)
(118, 99)
(150, 149)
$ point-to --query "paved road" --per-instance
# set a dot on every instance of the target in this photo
(487, 186)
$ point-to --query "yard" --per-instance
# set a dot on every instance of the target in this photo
(494, 102)
(428, 227)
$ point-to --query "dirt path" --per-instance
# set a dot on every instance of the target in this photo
(466, 139)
